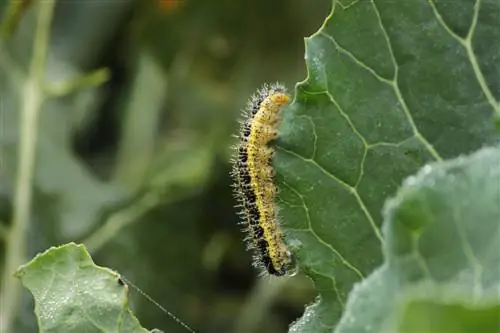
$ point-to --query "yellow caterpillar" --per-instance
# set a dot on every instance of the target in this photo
(254, 186)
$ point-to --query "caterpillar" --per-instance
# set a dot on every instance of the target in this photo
(254, 187)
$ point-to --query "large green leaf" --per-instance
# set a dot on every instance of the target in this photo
(392, 85)
(442, 254)
(72, 294)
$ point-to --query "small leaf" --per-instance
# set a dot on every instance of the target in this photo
(72, 294)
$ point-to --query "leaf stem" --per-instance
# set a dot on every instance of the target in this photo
(32, 100)
(95, 78)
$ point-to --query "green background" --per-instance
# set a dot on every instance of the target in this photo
(151, 148)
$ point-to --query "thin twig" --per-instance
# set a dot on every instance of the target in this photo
(66, 87)
(32, 99)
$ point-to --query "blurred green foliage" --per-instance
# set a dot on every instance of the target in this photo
(136, 167)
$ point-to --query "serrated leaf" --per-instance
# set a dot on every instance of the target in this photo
(392, 86)
(442, 258)
(72, 294)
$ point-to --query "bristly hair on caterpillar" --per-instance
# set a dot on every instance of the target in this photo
(254, 186)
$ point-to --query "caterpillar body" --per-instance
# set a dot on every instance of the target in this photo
(254, 186)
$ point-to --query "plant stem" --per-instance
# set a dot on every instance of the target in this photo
(32, 99)
(119, 220)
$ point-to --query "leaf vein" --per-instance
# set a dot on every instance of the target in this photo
(344, 261)
(355, 59)
(390, 144)
(420, 258)
(351, 189)
(356, 132)
(467, 44)
(430, 148)
(441, 21)
(475, 65)
(470, 255)
(334, 286)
